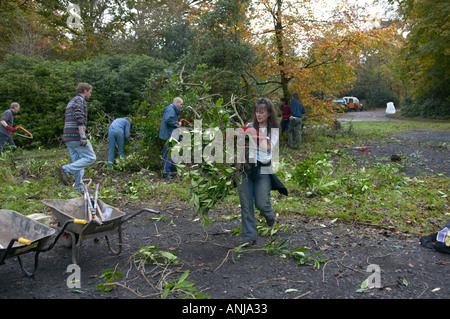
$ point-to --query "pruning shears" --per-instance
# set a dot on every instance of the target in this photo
(27, 136)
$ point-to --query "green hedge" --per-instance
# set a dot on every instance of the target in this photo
(430, 107)
(43, 89)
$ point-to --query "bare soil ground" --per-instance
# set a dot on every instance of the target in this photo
(408, 271)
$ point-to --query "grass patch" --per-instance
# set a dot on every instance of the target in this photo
(372, 130)
(324, 182)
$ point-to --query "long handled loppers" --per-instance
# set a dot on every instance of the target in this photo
(89, 208)
(96, 206)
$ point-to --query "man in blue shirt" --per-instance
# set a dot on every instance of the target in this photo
(295, 123)
(118, 131)
(168, 124)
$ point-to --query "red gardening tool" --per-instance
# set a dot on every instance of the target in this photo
(27, 136)
(184, 120)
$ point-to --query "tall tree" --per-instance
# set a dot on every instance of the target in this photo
(426, 55)
(86, 27)
(22, 30)
(222, 42)
(157, 28)
(377, 81)
(315, 57)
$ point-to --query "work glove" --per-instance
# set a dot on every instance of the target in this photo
(83, 139)
(251, 131)
(10, 128)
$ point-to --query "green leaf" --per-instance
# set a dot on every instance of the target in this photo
(184, 276)
(405, 282)
(365, 284)
(291, 290)
(219, 102)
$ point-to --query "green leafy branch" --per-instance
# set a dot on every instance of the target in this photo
(109, 275)
(211, 181)
(302, 254)
(182, 288)
(186, 288)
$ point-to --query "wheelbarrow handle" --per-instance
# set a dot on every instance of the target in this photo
(139, 212)
(24, 241)
(63, 228)
(78, 221)
(11, 243)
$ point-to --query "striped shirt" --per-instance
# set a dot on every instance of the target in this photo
(76, 115)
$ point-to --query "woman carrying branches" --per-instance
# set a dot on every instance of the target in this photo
(256, 180)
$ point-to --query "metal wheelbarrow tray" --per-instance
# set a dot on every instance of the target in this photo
(67, 209)
(20, 234)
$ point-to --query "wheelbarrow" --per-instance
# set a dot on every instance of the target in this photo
(67, 209)
(20, 234)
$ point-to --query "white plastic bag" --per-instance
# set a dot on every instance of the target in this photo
(390, 108)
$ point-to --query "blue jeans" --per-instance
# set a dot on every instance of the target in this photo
(168, 164)
(255, 192)
(82, 157)
(115, 136)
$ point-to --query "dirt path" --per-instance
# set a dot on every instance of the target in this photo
(373, 115)
(370, 115)
(407, 270)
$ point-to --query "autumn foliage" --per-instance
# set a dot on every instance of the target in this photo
(271, 48)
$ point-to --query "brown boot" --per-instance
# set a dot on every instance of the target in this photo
(63, 176)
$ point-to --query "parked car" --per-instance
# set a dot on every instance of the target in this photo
(340, 105)
(352, 103)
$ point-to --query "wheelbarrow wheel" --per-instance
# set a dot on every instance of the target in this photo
(67, 239)
(115, 244)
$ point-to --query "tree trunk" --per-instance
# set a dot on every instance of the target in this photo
(284, 81)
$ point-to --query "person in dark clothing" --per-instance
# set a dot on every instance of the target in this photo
(168, 124)
(295, 123)
(285, 114)
(6, 127)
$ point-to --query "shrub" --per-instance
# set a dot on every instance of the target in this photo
(430, 107)
(43, 89)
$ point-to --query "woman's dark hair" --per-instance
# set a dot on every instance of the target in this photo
(272, 120)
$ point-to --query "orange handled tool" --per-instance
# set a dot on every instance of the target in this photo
(184, 120)
(30, 135)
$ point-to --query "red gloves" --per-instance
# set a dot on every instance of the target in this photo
(10, 128)
(251, 131)
(248, 131)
